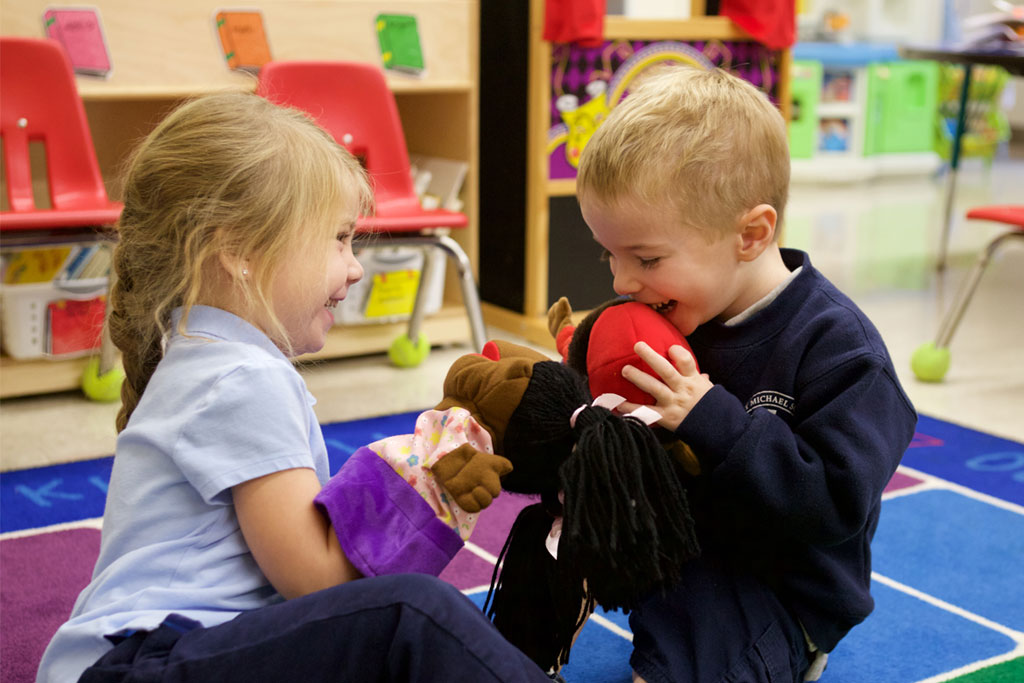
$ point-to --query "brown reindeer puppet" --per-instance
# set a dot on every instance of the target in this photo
(611, 524)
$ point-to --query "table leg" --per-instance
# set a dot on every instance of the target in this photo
(954, 165)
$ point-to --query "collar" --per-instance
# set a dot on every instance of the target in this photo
(220, 325)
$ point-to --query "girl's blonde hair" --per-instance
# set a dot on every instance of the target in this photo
(226, 173)
(705, 142)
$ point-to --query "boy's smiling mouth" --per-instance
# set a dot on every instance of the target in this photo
(332, 303)
(665, 307)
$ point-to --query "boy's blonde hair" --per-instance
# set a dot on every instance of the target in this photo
(705, 142)
(226, 173)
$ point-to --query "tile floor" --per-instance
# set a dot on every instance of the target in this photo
(876, 240)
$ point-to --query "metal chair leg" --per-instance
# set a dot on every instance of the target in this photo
(956, 313)
(470, 295)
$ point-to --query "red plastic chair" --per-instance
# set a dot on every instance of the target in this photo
(353, 103)
(40, 103)
(931, 360)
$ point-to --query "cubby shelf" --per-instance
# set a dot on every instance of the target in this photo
(163, 54)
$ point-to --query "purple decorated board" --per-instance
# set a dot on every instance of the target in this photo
(588, 82)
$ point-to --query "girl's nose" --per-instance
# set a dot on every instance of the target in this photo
(355, 271)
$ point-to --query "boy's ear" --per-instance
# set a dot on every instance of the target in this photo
(757, 231)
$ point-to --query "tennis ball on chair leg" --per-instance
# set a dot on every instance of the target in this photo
(408, 354)
(930, 364)
(104, 388)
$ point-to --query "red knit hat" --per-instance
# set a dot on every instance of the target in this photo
(611, 342)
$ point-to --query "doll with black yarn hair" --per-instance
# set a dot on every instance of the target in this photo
(625, 523)
(611, 526)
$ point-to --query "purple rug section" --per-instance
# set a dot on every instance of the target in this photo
(42, 576)
(901, 481)
(468, 570)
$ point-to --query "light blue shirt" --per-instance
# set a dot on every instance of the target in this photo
(224, 406)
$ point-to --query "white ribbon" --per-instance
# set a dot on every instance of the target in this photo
(645, 414)
(551, 540)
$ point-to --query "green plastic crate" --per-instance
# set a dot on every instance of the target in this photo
(902, 107)
(805, 89)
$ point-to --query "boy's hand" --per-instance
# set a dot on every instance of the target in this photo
(679, 389)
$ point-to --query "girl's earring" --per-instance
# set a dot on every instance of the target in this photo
(245, 272)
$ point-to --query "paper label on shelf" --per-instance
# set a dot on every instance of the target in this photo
(392, 293)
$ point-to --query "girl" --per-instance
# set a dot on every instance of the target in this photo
(234, 244)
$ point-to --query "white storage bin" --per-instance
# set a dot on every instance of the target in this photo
(387, 291)
(25, 331)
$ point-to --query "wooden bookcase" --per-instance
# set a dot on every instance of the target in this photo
(534, 246)
(163, 53)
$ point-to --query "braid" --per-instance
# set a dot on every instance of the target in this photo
(134, 331)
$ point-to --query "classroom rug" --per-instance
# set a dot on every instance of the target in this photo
(946, 579)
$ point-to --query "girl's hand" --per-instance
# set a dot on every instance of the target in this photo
(679, 389)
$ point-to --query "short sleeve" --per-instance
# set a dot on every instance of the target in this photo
(253, 420)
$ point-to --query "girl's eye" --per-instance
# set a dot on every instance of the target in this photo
(606, 255)
(345, 237)
(648, 263)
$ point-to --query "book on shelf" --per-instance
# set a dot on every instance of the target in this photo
(399, 39)
(74, 326)
(1001, 29)
(40, 264)
(97, 265)
(438, 181)
(243, 39)
(60, 262)
(80, 31)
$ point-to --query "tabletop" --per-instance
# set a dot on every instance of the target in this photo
(1011, 60)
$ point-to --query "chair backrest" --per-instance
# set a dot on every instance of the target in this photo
(352, 102)
(40, 102)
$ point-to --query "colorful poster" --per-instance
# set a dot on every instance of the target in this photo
(588, 82)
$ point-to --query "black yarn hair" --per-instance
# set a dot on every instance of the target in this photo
(626, 525)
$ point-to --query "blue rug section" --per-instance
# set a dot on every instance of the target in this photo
(50, 495)
(944, 544)
(599, 655)
(343, 438)
(66, 493)
(973, 459)
(906, 640)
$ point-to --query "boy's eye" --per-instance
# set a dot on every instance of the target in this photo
(606, 255)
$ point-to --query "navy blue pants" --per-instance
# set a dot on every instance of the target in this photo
(409, 627)
(717, 626)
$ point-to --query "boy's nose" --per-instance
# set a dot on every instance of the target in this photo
(623, 283)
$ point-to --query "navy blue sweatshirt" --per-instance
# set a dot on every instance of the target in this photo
(804, 427)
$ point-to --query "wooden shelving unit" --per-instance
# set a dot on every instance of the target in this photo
(165, 53)
(531, 230)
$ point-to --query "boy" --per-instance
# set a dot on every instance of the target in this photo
(684, 186)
